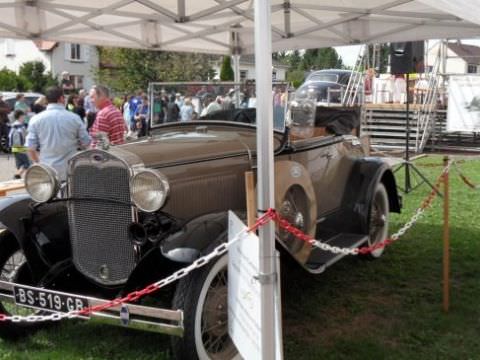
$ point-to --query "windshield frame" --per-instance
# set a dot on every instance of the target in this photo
(156, 88)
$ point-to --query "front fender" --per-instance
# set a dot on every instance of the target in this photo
(12, 209)
(178, 249)
(194, 237)
(366, 174)
(42, 231)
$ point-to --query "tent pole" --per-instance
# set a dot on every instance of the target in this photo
(236, 77)
(268, 274)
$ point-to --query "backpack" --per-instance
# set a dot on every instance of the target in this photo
(16, 138)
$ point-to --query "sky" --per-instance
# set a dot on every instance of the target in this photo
(350, 54)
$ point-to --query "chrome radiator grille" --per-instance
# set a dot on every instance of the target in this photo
(98, 227)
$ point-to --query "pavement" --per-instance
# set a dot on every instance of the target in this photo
(7, 167)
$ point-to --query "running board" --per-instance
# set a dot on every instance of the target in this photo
(319, 260)
(127, 315)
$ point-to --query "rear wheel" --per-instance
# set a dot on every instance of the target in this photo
(378, 222)
(203, 297)
(14, 268)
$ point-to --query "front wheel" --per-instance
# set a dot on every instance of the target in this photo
(378, 222)
(203, 297)
(14, 268)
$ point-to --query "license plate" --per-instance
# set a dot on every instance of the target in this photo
(48, 300)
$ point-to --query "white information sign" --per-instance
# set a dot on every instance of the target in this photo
(463, 103)
(244, 321)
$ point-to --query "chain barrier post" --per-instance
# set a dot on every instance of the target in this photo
(446, 239)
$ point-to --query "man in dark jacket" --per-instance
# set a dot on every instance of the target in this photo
(4, 111)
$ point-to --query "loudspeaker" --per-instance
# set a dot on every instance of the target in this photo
(407, 57)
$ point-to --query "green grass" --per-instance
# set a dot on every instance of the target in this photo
(390, 308)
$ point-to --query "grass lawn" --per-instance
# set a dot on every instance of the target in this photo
(390, 308)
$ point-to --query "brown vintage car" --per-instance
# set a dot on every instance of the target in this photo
(133, 214)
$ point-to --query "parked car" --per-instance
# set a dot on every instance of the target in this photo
(133, 214)
(330, 86)
(10, 98)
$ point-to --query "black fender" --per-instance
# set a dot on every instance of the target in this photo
(178, 250)
(365, 175)
(12, 209)
(41, 230)
(195, 237)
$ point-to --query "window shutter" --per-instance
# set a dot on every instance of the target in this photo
(67, 47)
(85, 52)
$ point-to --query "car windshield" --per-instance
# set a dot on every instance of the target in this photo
(323, 77)
(219, 101)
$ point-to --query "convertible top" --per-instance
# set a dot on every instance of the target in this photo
(336, 120)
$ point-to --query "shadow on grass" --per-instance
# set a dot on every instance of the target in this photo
(389, 308)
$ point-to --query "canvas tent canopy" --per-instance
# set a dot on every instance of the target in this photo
(226, 26)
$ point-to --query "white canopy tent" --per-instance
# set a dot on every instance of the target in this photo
(242, 26)
(207, 25)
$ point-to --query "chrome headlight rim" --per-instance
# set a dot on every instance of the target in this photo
(162, 180)
(51, 178)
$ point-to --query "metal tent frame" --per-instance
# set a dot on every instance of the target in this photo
(235, 27)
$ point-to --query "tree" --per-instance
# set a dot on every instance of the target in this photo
(226, 71)
(324, 58)
(296, 77)
(127, 70)
(8, 80)
(32, 74)
(379, 58)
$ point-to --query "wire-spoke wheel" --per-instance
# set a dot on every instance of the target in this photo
(378, 221)
(14, 268)
(203, 297)
(294, 208)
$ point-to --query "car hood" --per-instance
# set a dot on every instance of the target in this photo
(186, 144)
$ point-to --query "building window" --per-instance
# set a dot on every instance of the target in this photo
(274, 75)
(243, 75)
(471, 69)
(77, 81)
(74, 52)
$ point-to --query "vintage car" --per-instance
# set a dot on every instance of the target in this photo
(331, 85)
(130, 215)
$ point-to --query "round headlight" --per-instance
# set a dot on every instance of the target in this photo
(41, 182)
(149, 190)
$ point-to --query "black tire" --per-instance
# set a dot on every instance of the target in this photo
(378, 221)
(13, 268)
(205, 288)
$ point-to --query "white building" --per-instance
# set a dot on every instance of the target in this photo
(80, 61)
(460, 59)
(247, 69)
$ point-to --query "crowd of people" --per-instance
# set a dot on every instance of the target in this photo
(61, 125)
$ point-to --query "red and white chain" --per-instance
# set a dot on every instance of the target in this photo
(222, 249)
(367, 249)
(135, 295)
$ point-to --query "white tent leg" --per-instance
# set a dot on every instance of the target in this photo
(236, 78)
(268, 273)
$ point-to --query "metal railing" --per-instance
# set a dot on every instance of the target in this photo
(428, 108)
(355, 82)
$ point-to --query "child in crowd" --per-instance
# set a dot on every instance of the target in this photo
(16, 140)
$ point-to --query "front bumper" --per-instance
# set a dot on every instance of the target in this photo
(140, 317)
